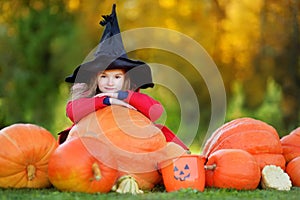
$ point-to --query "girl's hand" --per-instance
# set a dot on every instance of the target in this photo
(108, 94)
(119, 102)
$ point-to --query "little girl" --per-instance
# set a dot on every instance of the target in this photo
(112, 87)
(111, 78)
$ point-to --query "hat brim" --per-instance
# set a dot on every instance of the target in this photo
(138, 71)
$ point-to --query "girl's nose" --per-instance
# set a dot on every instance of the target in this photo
(110, 81)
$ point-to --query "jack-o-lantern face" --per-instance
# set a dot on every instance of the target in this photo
(185, 169)
(182, 174)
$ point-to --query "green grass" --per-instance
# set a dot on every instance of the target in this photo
(186, 194)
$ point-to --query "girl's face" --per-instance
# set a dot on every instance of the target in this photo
(111, 80)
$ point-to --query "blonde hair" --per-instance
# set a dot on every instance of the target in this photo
(87, 90)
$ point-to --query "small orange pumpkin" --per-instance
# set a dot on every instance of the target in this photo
(292, 169)
(291, 145)
(232, 168)
(24, 155)
(83, 164)
(251, 135)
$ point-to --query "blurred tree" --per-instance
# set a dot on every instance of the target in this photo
(30, 80)
(251, 42)
(278, 55)
(288, 66)
(255, 41)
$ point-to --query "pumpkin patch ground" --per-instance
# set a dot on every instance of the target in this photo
(157, 194)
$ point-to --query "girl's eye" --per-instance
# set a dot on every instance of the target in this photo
(102, 76)
(118, 76)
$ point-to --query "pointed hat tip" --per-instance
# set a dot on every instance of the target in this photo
(107, 18)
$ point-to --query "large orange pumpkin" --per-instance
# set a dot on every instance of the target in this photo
(292, 169)
(124, 128)
(83, 165)
(256, 137)
(24, 155)
(136, 142)
(232, 168)
(291, 145)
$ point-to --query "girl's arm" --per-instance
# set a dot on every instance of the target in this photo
(148, 106)
(79, 108)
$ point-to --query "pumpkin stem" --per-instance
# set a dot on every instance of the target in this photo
(210, 167)
(31, 172)
(96, 172)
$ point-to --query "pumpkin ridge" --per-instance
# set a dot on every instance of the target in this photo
(142, 145)
(233, 126)
(291, 144)
(236, 128)
(134, 136)
(110, 129)
(46, 156)
(23, 177)
(41, 165)
(15, 173)
(10, 159)
(270, 159)
(122, 127)
(229, 138)
(16, 177)
(41, 132)
(11, 140)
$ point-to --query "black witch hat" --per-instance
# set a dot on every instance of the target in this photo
(110, 54)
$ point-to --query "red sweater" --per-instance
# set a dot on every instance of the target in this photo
(79, 108)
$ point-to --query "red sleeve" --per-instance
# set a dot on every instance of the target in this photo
(80, 108)
(145, 104)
